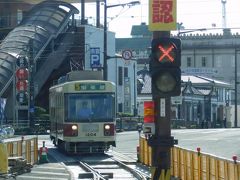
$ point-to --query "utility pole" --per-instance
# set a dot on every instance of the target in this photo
(105, 42)
(236, 91)
(105, 55)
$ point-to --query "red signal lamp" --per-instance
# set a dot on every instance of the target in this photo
(165, 65)
(166, 52)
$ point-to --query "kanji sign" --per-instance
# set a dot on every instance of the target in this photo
(162, 15)
(22, 61)
(22, 73)
(22, 97)
(22, 85)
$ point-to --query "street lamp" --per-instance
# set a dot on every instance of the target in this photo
(105, 57)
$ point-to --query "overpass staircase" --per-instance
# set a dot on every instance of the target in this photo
(44, 37)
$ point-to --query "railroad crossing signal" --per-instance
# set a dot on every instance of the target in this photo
(165, 65)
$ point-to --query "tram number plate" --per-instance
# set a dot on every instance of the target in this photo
(88, 128)
(91, 134)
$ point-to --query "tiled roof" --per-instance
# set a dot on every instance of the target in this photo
(189, 89)
(214, 80)
(193, 79)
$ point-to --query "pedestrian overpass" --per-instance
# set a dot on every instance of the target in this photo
(48, 37)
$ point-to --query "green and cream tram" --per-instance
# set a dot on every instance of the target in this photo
(75, 129)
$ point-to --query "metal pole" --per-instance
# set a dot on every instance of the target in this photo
(83, 12)
(98, 13)
(105, 56)
(31, 107)
(105, 42)
(134, 71)
(236, 82)
(162, 140)
(116, 79)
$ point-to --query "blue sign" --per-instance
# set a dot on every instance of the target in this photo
(31, 109)
(95, 57)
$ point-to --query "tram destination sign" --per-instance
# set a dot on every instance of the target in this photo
(89, 87)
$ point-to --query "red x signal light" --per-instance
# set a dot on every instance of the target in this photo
(166, 51)
(165, 65)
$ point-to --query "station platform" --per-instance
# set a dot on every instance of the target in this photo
(48, 171)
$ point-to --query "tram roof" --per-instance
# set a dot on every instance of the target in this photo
(63, 83)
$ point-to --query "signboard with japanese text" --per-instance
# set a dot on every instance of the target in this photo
(199, 71)
(162, 15)
(89, 87)
(95, 57)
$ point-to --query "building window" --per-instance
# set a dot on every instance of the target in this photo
(204, 61)
(218, 62)
(120, 76)
(120, 107)
(125, 72)
(189, 61)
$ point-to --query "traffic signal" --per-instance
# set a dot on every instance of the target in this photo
(165, 62)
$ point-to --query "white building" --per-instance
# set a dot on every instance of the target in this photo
(120, 71)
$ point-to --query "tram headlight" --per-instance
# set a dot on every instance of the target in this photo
(107, 127)
(74, 127)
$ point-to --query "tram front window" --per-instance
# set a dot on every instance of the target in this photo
(89, 107)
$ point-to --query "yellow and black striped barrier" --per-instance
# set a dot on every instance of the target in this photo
(25, 147)
(193, 165)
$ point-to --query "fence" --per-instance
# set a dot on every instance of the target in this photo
(191, 165)
(26, 147)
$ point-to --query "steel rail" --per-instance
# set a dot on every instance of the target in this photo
(88, 168)
(137, 174)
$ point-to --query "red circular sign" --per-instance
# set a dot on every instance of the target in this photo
(22, 85)
(22, 74)
(127, 54)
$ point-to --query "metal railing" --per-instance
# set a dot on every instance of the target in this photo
(192, 165)
(25, 147)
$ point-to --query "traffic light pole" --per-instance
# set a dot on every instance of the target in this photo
(162, 141)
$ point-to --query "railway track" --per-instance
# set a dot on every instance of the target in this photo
(106, 168)
(110, 165)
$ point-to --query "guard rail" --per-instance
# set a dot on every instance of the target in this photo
(193, 165)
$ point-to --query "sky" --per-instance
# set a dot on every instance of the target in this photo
(193, 14)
